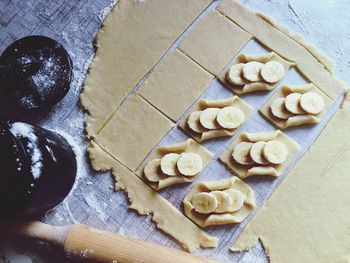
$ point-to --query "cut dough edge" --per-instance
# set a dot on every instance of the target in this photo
(164, 214)
(324, 59)
(98, 115)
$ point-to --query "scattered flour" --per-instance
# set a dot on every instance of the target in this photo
(95, 204)
(78, 151)
(105, 11)
(23, 130)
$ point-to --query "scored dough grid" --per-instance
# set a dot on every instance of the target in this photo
(254, 122)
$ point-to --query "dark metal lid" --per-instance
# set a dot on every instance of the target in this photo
(35, 71)
(14, 179)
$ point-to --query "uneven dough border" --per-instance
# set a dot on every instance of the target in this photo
(165, 215)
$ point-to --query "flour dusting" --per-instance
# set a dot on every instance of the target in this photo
(23, 130)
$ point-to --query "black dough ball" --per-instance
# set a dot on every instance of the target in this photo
(35, 71)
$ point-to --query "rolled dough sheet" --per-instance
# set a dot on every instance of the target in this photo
(214, 41)
(134, 36)
(146, 201)
(135, 128)
(278, 41)
(307, 217)
(325, 60)
(175, 84)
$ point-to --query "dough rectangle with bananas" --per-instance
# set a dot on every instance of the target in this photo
(220, 202)
(174, 164)
(175, 84)
(253, 72)
(262, 153)
(295, 105)
(228, 115)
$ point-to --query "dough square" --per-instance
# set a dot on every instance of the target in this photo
(134, 37)
(187, 146)
(220, 103)
(282, 93)
(214, 41)
(254, 86)
(175, 84)
(242, 170)
(135, 128)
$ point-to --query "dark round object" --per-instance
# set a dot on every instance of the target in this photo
(13, 179)
(35, 71)
(38, 170)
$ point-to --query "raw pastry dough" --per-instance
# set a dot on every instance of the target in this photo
(132, 40)
(214, 41)
(295, 120)
(188, 146)
(175, 84)
(281, 41)
(164, 214)
(207, 219)
(309, 211)
(218, 103)
(244, 171)
(325, 60)
(259, 84)
(135, 128)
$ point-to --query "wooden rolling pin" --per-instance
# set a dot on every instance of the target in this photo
(100, 246)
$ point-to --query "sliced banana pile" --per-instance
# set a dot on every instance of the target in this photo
(309, 103)
(260, 153)
(243, 73)
(219, 202)
(215, 119)
(173, 164)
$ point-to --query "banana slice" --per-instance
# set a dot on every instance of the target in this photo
(278, 109)
(152, 171)
(272, 71)
(312, 103)
(224, 201)
(204, 203)
(241, 153)
(237, 199)
(230, 117)
(292, 103)
(251, 71)
(256, 153)
(193, 122)
(275, 152)
(168, 164)
(208, 118)
(234, 75)
(189, 164)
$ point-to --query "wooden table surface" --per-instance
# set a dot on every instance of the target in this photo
(74, 23)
